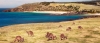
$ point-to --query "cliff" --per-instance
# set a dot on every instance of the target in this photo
(58, 6)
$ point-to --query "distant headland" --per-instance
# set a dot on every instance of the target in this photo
(75, 7)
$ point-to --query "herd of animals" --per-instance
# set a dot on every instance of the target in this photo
(49, 36)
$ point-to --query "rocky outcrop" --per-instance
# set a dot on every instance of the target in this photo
(14, 10)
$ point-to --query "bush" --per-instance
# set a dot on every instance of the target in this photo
(45, 3)
(88, 36)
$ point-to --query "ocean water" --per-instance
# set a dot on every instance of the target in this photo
(1, 9)
(11, 18)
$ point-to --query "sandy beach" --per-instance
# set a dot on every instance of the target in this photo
(50, 12)
(93, 14)
(59, 12)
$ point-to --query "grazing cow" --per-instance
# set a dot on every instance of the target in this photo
(80, 27)
(30, 33)
(68, 29)
(62, 36)
(19, 39)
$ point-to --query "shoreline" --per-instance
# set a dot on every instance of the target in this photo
(60, 12)
(94, 14)
(50, 12)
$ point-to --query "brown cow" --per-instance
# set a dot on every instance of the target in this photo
(30, 33)
(80, 27)
(19, 39)
(62, 36)
(68, 29)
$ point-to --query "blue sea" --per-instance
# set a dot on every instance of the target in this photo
(11, 18)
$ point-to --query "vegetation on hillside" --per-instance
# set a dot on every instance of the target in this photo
(54, 6)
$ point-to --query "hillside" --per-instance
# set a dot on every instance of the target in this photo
(89, 34)
(90, 7)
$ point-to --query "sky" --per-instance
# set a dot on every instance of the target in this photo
(15, 3)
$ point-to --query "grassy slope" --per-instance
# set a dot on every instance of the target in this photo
(82, 6)
(90, 33)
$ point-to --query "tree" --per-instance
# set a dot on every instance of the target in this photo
(93, 11)
(45, 3)
(77, 8)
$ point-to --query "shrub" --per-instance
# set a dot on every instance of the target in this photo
(88, 36)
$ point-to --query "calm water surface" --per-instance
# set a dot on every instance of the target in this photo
(10, 18)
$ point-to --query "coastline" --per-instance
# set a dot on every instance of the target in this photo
(61, 12)
(79, 22)
(50, 12)
(54, 12)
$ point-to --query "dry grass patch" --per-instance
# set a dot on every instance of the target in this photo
(89, 34)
